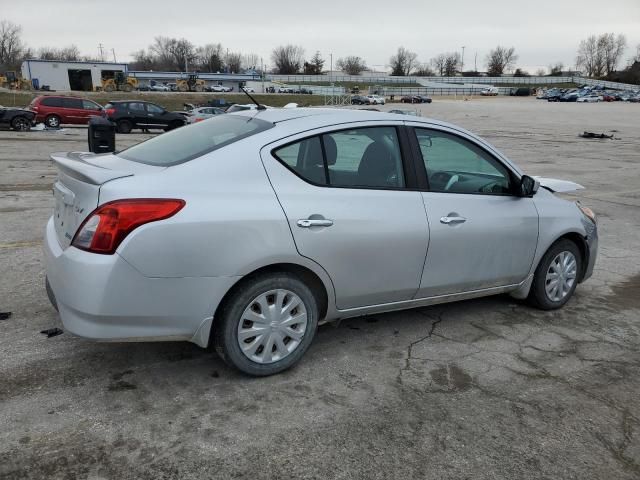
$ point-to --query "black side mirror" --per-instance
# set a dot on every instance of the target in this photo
(528, 186)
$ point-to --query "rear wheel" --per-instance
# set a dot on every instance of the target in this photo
(556, 277)
(124, 126)
(127, 87)
(21, 124)
(266, 326)
(52, 121)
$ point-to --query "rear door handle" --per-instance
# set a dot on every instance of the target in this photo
(452, 220)
(308, 223)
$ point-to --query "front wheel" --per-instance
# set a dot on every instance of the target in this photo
(556, 277)
(124, 126)
(266, 326)
(21, 124)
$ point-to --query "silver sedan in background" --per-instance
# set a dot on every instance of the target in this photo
(202, 113)
(247, 230)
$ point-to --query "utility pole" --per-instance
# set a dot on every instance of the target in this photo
(462, 61)
(262, 73)
(101, 48)
(331, 66)
(113, 50)
(476, 62)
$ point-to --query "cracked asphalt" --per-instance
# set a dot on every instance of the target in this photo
(482, 389)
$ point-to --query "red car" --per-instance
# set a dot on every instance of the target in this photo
(56, 110)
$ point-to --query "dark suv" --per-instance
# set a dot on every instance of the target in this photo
(130, 114)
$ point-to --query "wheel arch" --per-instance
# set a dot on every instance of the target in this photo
(320, 289)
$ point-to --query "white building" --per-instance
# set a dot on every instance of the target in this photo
(83, 76)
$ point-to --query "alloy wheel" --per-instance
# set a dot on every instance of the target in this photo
(272, 326)
(561, 275)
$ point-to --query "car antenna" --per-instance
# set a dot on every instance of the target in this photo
(259, 107)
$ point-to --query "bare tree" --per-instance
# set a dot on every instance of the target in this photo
(210, 57)
(352, 65)
(142, 60)
(591, 56)
(451, 62)
(613, 47)
(11, 48)
(288, 59)
(424, 70)
(161, 48)
(234, 62)
(500, 59)
(438, 62)
(636, 58)
(184, 54)
(65, 54)
(315, 65)
(556, 70)
(403, 62)
(541, 72)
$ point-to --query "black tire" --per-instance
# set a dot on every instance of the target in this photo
(537, 295)
(225, 330)
(124, 126)
(52, 121)
(21, 124)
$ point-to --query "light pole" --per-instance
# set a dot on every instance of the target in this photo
(331, 66)
(462, 61)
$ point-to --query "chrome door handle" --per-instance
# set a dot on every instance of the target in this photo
(308, 223)
(452, 220)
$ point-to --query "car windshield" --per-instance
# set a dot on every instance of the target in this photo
(186, 143)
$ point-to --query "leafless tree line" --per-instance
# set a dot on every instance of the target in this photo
(598, 56)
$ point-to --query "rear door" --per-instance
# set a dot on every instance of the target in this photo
(482, 234)
(348, 197)
(138, 113)
(73, 111)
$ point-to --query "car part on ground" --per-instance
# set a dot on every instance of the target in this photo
(234, 232)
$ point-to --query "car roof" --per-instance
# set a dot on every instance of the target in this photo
(331, 115)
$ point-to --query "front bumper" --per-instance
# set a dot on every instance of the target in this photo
(103, 297)
(592, 248)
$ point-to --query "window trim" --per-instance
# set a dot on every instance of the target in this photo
(406, 157)
(423, 178)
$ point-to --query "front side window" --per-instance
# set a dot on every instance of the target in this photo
(362, 157)
(72, 103)
(455, 165)
(88, 105)
(151, 108)
(137, 107)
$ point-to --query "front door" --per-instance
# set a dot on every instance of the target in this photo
(345, 194)
(481, 234)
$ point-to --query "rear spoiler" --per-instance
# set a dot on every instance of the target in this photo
(74, 165)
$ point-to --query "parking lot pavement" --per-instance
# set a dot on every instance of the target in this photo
(482, 389)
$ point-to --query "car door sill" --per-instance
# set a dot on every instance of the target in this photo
(423, 302)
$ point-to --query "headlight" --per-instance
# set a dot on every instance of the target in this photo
(587, 212)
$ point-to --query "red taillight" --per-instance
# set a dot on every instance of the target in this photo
(110, 111)
(108, 225)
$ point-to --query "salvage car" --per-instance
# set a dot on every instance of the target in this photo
(246, 231)
(19, 119)
(202, 113)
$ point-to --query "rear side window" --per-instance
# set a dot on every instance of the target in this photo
(137, 107)
(187, 143)
(358, 158)
(51, 102)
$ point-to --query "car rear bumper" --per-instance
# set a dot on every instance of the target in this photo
(103, 297)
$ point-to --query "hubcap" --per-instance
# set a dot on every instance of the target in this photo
(561, 276)
(272, 326)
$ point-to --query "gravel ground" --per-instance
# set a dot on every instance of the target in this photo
(483, 389)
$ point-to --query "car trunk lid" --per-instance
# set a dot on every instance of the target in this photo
(77, 189)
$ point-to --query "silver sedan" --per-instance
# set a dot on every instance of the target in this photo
(247, 230)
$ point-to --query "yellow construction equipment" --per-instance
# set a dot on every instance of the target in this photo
(190, 84)
(14, 82)
(119, 82)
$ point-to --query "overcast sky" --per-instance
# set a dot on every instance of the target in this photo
(543, 32)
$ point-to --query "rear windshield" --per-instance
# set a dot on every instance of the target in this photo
(187, 143)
